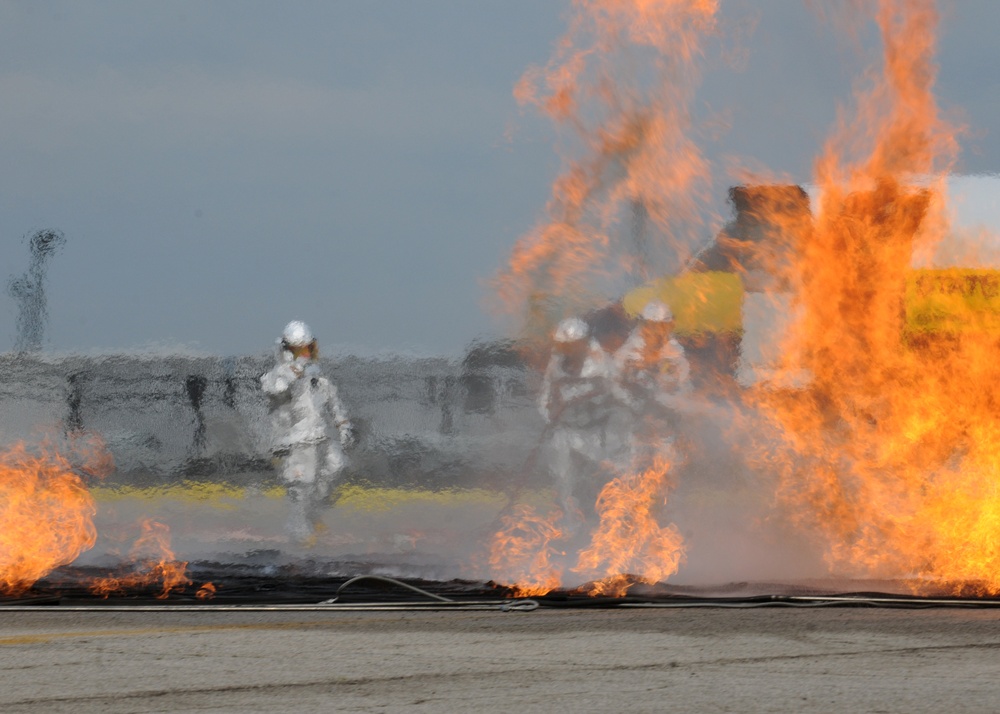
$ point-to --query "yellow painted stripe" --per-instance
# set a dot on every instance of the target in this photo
(216, 494)
(359, 498)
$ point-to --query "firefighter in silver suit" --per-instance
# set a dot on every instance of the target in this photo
(651, 376)
(574, 402)
(305, 411)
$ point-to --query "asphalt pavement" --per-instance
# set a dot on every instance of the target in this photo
(770, 659)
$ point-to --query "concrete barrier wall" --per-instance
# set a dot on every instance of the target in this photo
(430, 422)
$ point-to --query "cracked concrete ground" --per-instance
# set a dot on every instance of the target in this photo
(550, 660)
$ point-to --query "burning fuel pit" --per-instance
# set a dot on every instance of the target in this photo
(854, 437)
(428, 512)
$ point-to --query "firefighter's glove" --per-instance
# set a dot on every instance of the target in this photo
(348, 435)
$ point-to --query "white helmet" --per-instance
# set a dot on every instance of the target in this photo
(657, 311)
(571, 329)
(296, 334)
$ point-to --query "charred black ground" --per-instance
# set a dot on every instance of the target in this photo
(314, 583)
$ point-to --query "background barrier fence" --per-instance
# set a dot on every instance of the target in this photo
(430, 422)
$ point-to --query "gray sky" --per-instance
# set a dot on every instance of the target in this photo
(219, 168)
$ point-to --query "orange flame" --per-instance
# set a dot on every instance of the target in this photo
(634, 128)
(629, 538)
(46, 512)
(890, 450)
(521, 552)
(206, 592)
(154, 562)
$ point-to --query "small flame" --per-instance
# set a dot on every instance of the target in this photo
(521, 551)
(206, 592)
(629, 538)
(612, 586)
(153, 563)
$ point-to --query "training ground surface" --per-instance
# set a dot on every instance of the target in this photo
(634, 660)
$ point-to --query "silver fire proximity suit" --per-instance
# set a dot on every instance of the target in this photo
(574, 401)
(304, 409)
(648, 379)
